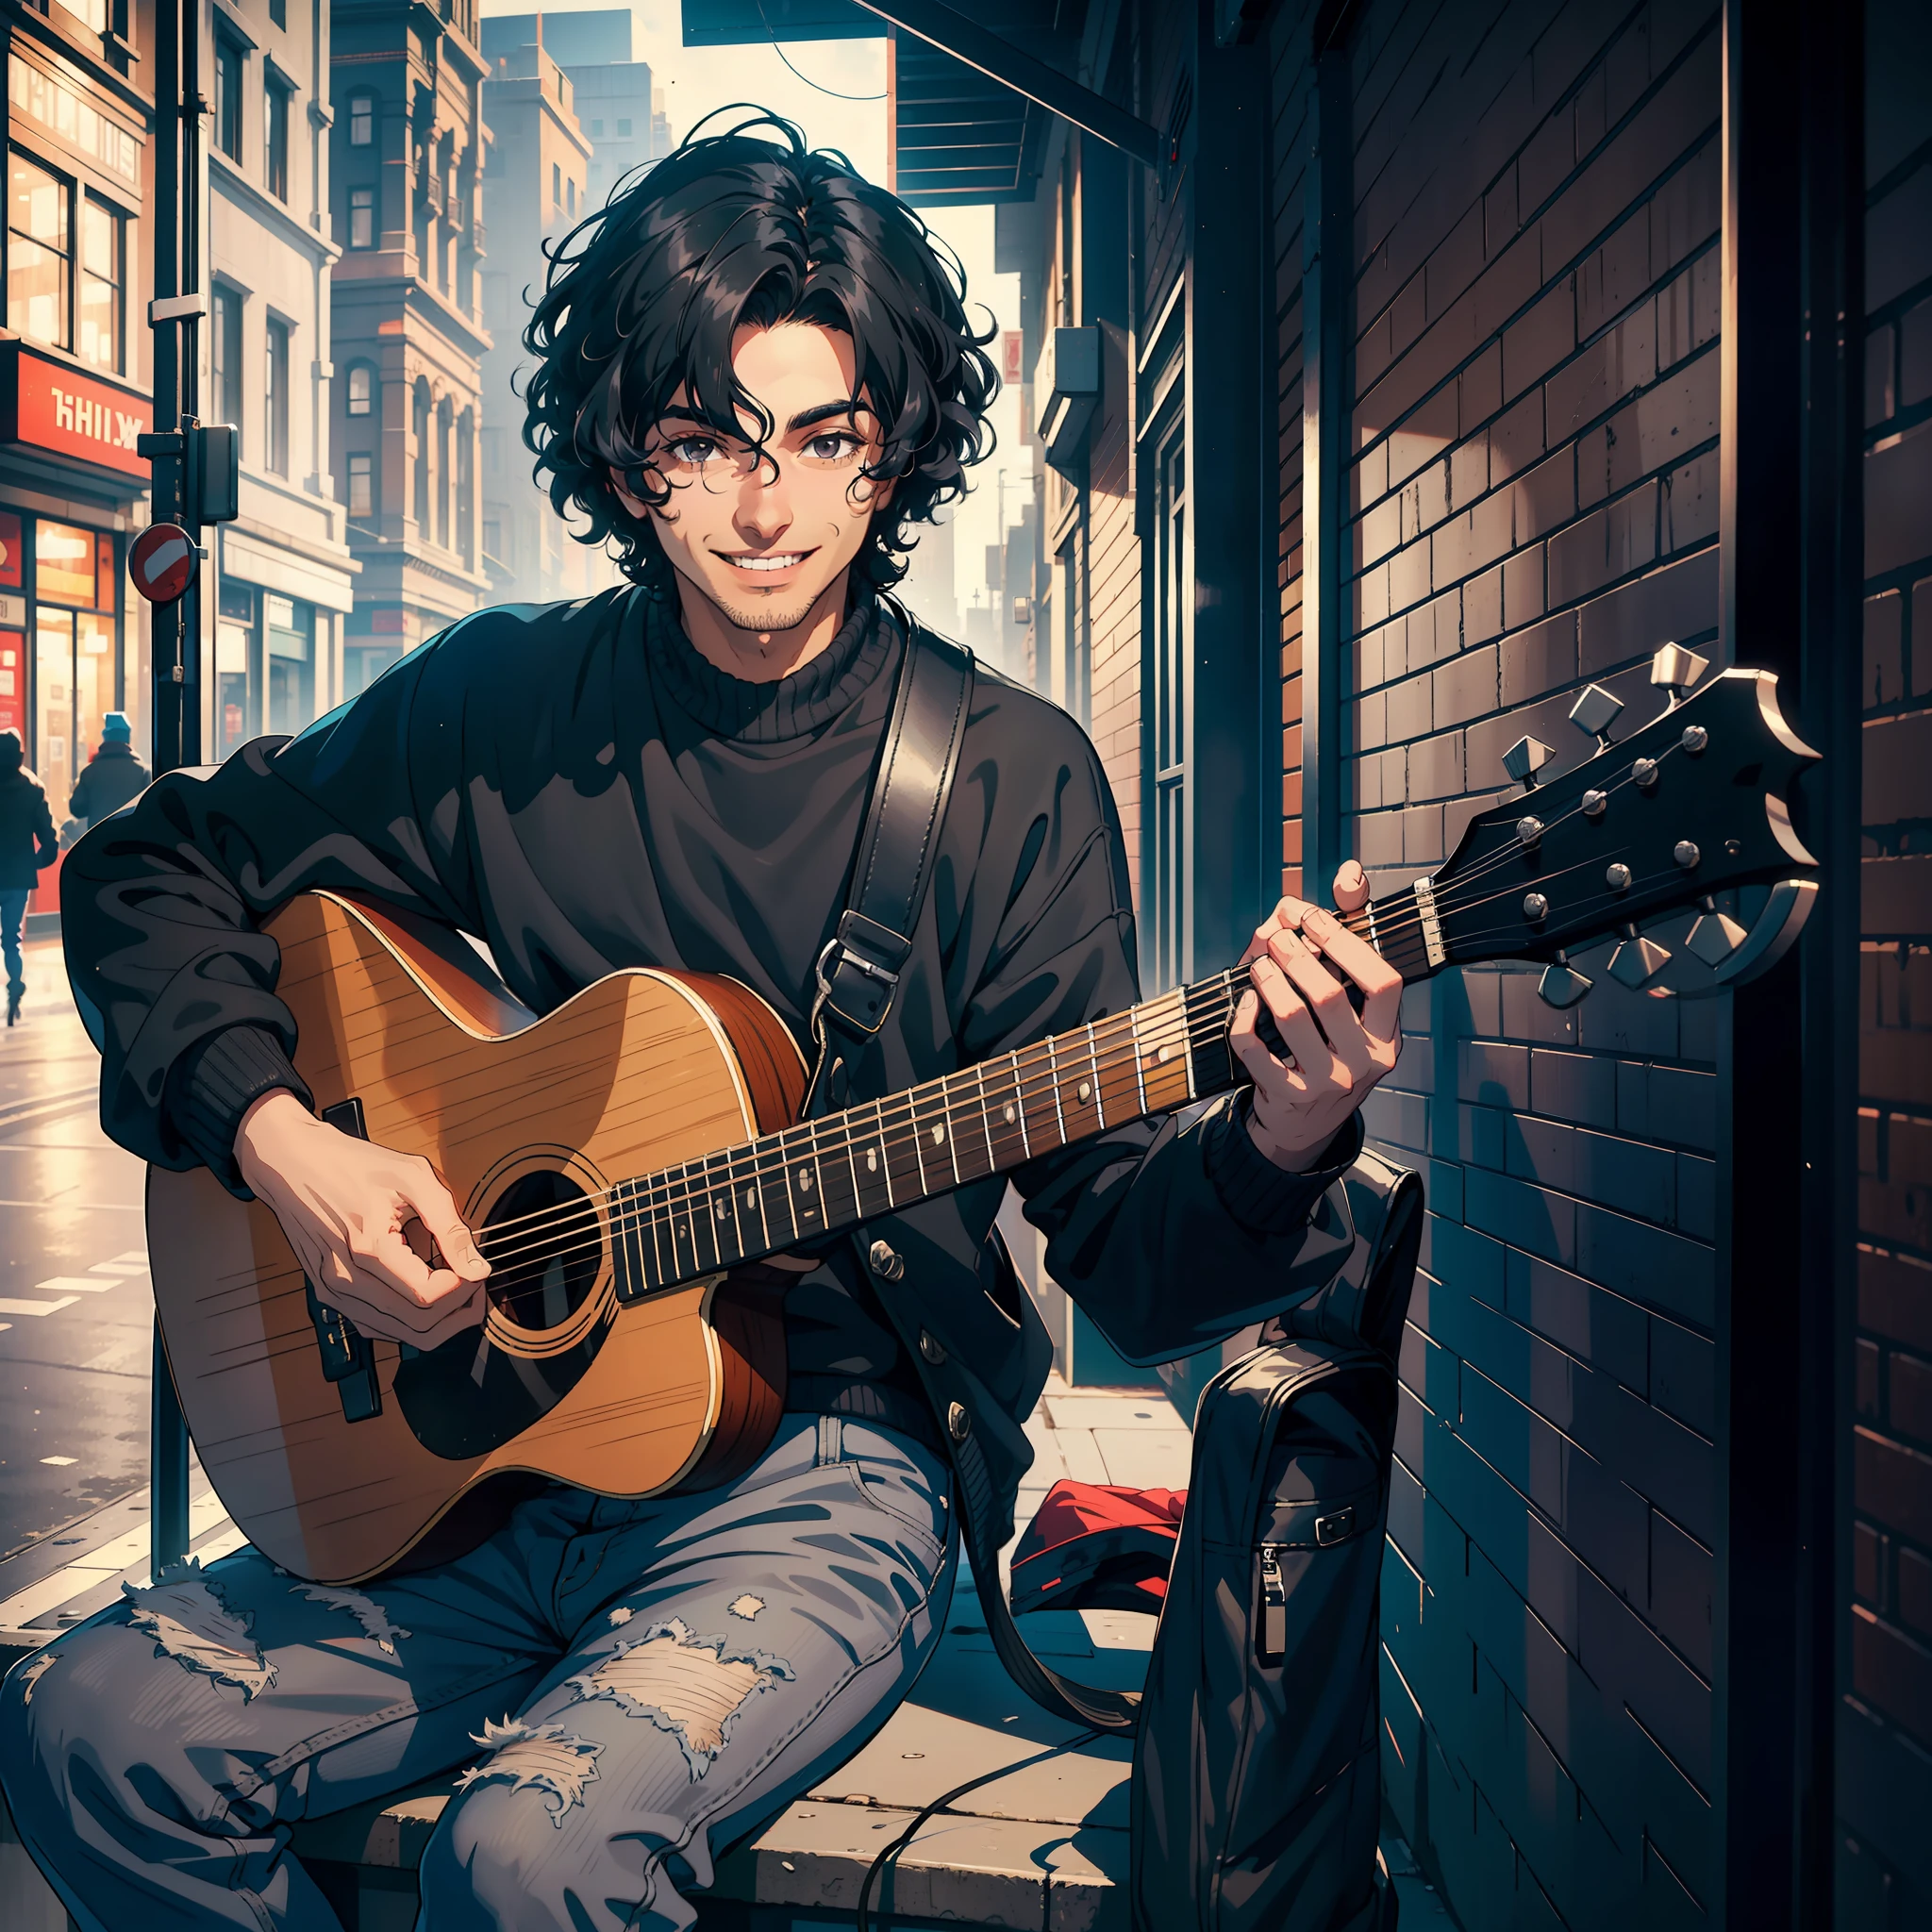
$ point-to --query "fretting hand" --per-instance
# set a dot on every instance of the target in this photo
(1298, 960)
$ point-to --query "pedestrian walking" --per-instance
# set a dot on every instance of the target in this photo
(113, 775)
(28, 846)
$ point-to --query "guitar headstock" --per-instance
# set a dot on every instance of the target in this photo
(1691, 808)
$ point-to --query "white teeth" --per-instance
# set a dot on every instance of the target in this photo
(782, 562)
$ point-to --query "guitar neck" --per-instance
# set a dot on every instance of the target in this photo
(1404, 928)
(825, 1175)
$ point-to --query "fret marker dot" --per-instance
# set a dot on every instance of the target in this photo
(724, 1209)
(939, 1134)
(1085, 1090)
(872, 1161)
(1010, 1115)
(805, 1184)
(1162, 1056)
(751, 1200)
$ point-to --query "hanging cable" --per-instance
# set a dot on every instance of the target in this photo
(806, 77)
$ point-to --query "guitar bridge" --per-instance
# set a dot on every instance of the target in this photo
(347, 1359)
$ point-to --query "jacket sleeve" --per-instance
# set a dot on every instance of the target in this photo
(1175, 1230)
(45, 838)
(162, 903)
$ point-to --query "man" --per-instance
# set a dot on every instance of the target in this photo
(754, 376)
(28, 847)
(113, 775)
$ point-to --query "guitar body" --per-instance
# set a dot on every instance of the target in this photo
(403, 1032)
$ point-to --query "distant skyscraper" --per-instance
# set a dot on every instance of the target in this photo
(619, 110)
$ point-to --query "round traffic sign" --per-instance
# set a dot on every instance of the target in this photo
(163, 562)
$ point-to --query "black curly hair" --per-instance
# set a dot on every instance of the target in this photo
(641, 300)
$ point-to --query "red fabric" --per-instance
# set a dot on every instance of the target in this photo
(1096, 1546)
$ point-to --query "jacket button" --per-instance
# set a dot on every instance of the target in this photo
(930, 1349)
(958, 1421)
(886, 1262)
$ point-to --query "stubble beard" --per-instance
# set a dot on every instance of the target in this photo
(782, 611)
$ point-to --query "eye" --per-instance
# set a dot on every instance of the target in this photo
(833, 445)
(693, 451)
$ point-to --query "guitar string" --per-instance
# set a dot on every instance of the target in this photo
(694, 1184)
(666, 1209)
(680, 1188)
(1400, 926)
(1447, 899)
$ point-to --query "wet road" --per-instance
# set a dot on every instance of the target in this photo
(76, 1309)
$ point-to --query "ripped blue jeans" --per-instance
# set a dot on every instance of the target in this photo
(625, 1688)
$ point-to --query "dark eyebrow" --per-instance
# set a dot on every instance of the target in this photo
(847, 406)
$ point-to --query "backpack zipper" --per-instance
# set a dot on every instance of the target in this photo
(1273, 1633)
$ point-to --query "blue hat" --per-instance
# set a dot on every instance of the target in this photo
(115, 729)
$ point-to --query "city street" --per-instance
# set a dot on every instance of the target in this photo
(75, 1308)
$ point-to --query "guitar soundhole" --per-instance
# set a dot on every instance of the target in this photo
(545, 1249)
(544, 1245)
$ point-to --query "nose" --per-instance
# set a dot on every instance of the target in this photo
(764, 505)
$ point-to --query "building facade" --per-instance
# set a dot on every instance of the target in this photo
(407, 147)
(75, 378)
(286, 579)
(535, 191)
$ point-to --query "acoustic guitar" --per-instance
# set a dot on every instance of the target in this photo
(625, 1157)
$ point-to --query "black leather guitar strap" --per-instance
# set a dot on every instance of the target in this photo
(858, 975)
(858, 970)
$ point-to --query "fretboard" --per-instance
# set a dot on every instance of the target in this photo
(813, 1179)
(824, 1175)
(1403, 928)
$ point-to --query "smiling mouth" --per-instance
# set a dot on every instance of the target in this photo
(770, 561)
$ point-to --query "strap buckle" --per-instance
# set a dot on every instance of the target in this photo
(858, 974)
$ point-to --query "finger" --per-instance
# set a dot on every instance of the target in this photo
(1380, 983)
(1351, 887)
(375, 1312)
(436, 1211)
(417, 1286)
(1287, 915)
(1326, 997)
(1269, 1071)
(1293, 1019)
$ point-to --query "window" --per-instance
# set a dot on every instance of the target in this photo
(290, 628)
(466, 488)
(596, 131)
(362, 218)
(446, 467)
(361, 388)
(361, 487)
(228, 99)
(225, 354)
(556, 185)
(103, 285)
(361, 120)
(38, 249)
(275, 139)
(274, 402)
(570, 194)
(624, 130)
(420, 424)
(278, 13)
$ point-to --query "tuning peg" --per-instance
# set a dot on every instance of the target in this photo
(1595, 711)
(1675, 669)
(1637, 959)
(1562, 984)
(1525, 760)
(1713, 935)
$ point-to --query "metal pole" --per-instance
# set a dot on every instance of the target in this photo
(176, 713)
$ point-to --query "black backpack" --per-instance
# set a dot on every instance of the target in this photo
(1256, 1788)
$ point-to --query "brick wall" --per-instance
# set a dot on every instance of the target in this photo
(1534, 506)
(1885, 1868)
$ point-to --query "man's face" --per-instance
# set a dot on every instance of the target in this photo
(766, 540)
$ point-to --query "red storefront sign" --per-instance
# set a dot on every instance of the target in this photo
(55, 407)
